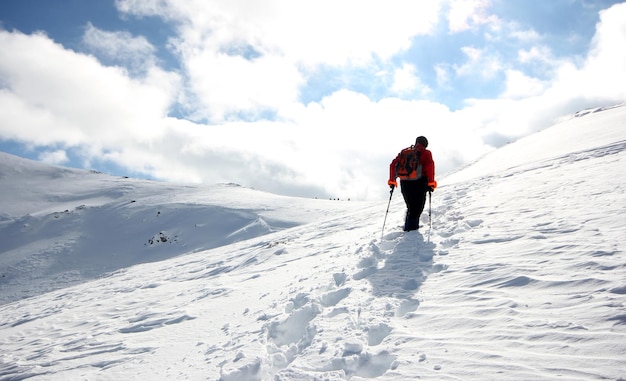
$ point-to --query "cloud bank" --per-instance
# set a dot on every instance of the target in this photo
(306, 98)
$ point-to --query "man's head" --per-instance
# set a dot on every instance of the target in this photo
(421, 140)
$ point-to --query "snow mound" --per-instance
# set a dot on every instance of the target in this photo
(65, 226)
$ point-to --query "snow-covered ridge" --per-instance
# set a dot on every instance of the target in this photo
(603, 126)
(64, 226)
(588, 111)
(521, 277)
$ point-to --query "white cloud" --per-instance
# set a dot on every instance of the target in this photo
(62, 96)
(599, 81)
(143, 8)
(526, 35)
(54, 157)
(508, 32)
(310, 31)
(227, 85)
(541, 61)
(601, 77)
(405, 81)
(519, 86)
(468, 14)
(120, 46)
(341, 145)
(442, 72)
(536, 53)
(287, 39)
(479, 62)
(605, 68)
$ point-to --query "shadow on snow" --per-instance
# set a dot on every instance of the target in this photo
(397, 266)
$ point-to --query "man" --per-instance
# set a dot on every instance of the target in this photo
(416, 169)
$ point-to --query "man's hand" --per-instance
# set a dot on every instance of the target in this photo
(431, 186)
(392, 184)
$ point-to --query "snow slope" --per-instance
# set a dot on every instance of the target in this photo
(522, 276)
(66, 226)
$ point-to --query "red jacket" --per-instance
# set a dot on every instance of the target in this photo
(426, 161)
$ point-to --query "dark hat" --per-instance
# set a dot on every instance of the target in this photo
(421, 140)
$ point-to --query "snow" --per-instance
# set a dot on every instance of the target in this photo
(521, 277)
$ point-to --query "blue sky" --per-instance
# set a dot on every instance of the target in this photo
(306, 98)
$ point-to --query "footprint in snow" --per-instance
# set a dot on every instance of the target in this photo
(407, 306)
(294, 329)
(404, 267)
(330, 299)
(340, 279)
(377, 333)
(356, 362)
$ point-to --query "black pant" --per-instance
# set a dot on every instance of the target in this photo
(414, 193)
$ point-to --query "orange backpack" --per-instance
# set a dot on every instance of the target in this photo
(408, 166)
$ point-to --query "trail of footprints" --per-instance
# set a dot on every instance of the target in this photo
(303, 332)
(324, 336)
(332, 337)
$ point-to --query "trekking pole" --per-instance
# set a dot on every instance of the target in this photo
(387, 212)
(430, 207)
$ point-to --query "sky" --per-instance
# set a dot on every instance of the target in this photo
(299, 98)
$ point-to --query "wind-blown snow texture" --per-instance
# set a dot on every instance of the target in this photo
(522, 277)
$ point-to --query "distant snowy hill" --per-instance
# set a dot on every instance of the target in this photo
(64, 226)
(522, 276)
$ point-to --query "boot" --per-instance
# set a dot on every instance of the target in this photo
(407, 222)
(413, 224)
(410, 223)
